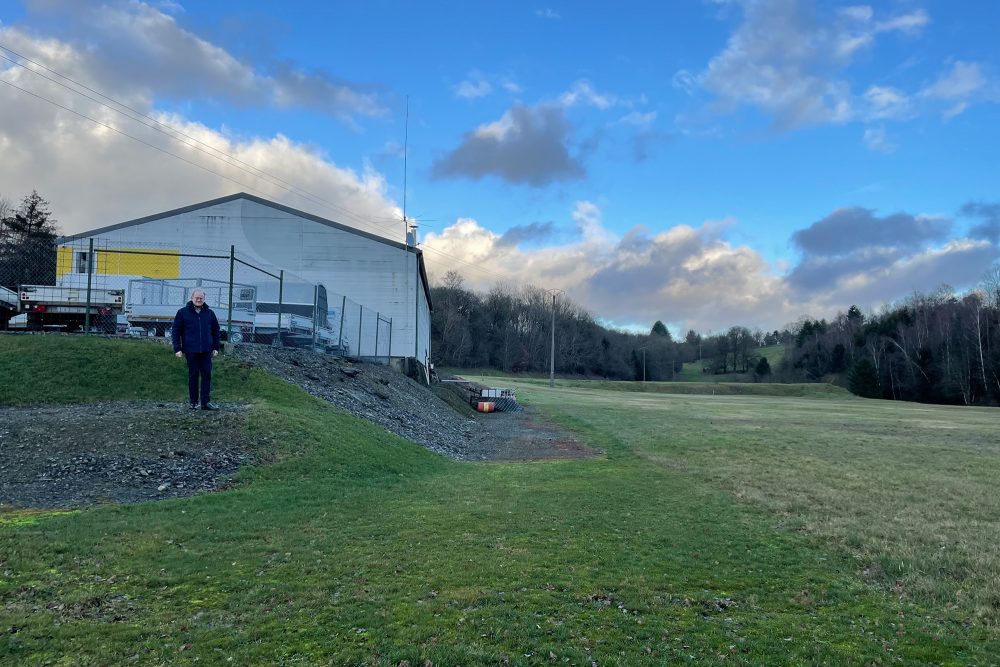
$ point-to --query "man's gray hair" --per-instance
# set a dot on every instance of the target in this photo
(196, 291)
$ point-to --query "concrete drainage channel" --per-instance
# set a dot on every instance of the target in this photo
(486, 399)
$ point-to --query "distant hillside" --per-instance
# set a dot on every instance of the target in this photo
(700, 370)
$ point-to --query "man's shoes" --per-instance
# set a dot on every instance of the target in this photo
(209, 406)
(193, 406)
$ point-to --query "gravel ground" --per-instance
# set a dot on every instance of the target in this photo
(74, 455)
(410, 410)
(68, 456)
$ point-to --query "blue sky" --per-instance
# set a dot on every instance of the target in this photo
(706, 163)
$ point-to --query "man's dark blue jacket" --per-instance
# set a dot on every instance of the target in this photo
(194, 331)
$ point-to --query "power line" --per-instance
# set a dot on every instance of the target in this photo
(236, 162)
(476, 267)
(157, 125)
(289, 186)
(125, 134)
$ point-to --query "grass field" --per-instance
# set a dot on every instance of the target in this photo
(736, 529)
(691, 372)
(801, 390)
(694, 371)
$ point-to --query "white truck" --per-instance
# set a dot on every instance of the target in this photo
(66, 308)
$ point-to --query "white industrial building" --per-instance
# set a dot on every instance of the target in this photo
(382, 275)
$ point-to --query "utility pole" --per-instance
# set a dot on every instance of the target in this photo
(552, 353)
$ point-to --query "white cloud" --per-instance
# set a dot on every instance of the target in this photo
(475, 86)
(687, 274)
(861, 13)
(694, 277)
(877, 140)
(583, 92)
(547, 13)
(638, 119)
(134, 49)
(887, 103)
(94, 176)
(510, 85)
(480, 84)
(587, 216)
(957, 87)
(686, 81)
(963, 80)
(960, 262)
(788, 61)
(911, 23)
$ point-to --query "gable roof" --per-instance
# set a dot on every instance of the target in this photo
(263, 202)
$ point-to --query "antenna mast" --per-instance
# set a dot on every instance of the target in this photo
(406, 141)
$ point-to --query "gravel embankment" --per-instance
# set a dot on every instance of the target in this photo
(67, 456)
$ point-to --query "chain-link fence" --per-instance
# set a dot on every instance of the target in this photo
(88, 286)
(362, 332)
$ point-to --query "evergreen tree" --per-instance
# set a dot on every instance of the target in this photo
(863, 380)
(27, 244)
(660, 329)
(762, 369)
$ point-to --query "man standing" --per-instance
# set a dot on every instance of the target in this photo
(196, 336)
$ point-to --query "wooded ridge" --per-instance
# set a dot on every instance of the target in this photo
(937, 348)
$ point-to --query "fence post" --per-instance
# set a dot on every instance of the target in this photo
(229, 322)
(90, 273)
(378, 321)
(361, 319)
(281, 296)
(340, 340)
(388, 355)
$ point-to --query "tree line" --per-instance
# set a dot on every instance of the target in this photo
(942, 347)
(510, 329)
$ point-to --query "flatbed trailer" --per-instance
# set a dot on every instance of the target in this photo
(10, 303)
(66, 308)
(152, 304)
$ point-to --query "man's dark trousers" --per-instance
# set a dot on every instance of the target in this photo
(199, 364)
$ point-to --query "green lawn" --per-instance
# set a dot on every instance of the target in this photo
(737, 529)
